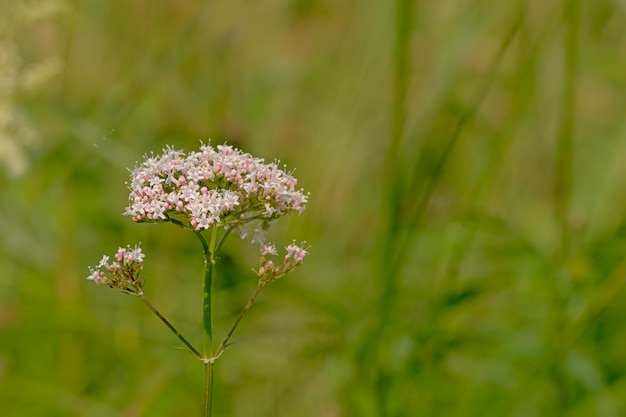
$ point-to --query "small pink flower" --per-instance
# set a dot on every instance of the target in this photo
(295, 252)
(268, 249)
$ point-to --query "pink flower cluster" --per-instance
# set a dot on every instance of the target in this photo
(122, 273)
(295, 254)
(269, 272)
(211, 186)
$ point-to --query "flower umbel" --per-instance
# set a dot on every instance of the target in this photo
(123, 273)
(214, 185)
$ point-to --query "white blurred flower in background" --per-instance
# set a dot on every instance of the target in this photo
(17, 132)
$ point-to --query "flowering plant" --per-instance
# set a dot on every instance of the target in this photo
(217, 191)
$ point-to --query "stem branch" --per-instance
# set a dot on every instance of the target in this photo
(244, 310)
(169, 325)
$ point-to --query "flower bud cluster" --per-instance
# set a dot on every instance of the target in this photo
(123, 273)
(210, 186)
(269, 272)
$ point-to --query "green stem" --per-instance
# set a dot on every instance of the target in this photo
(244, 310)
(565, 141)
(223, 238)
(209, 364)
(207, 307)
(208, 387)
(169, 325)
(562, 195)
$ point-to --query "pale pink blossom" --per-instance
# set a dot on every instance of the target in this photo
(269, 272)
(123, 273)
(220, 185)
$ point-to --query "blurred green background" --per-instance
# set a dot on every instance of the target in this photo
(466, 162)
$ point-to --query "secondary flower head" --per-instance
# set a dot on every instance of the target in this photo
(269, 272)
(123, 273)
(213, 185)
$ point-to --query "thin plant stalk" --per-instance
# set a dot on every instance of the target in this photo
(169, 325)
(207, 314)
(562, 195)
(244, 310)
(208, 384)
(209, 364)
(394, 181)
(207, 308)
